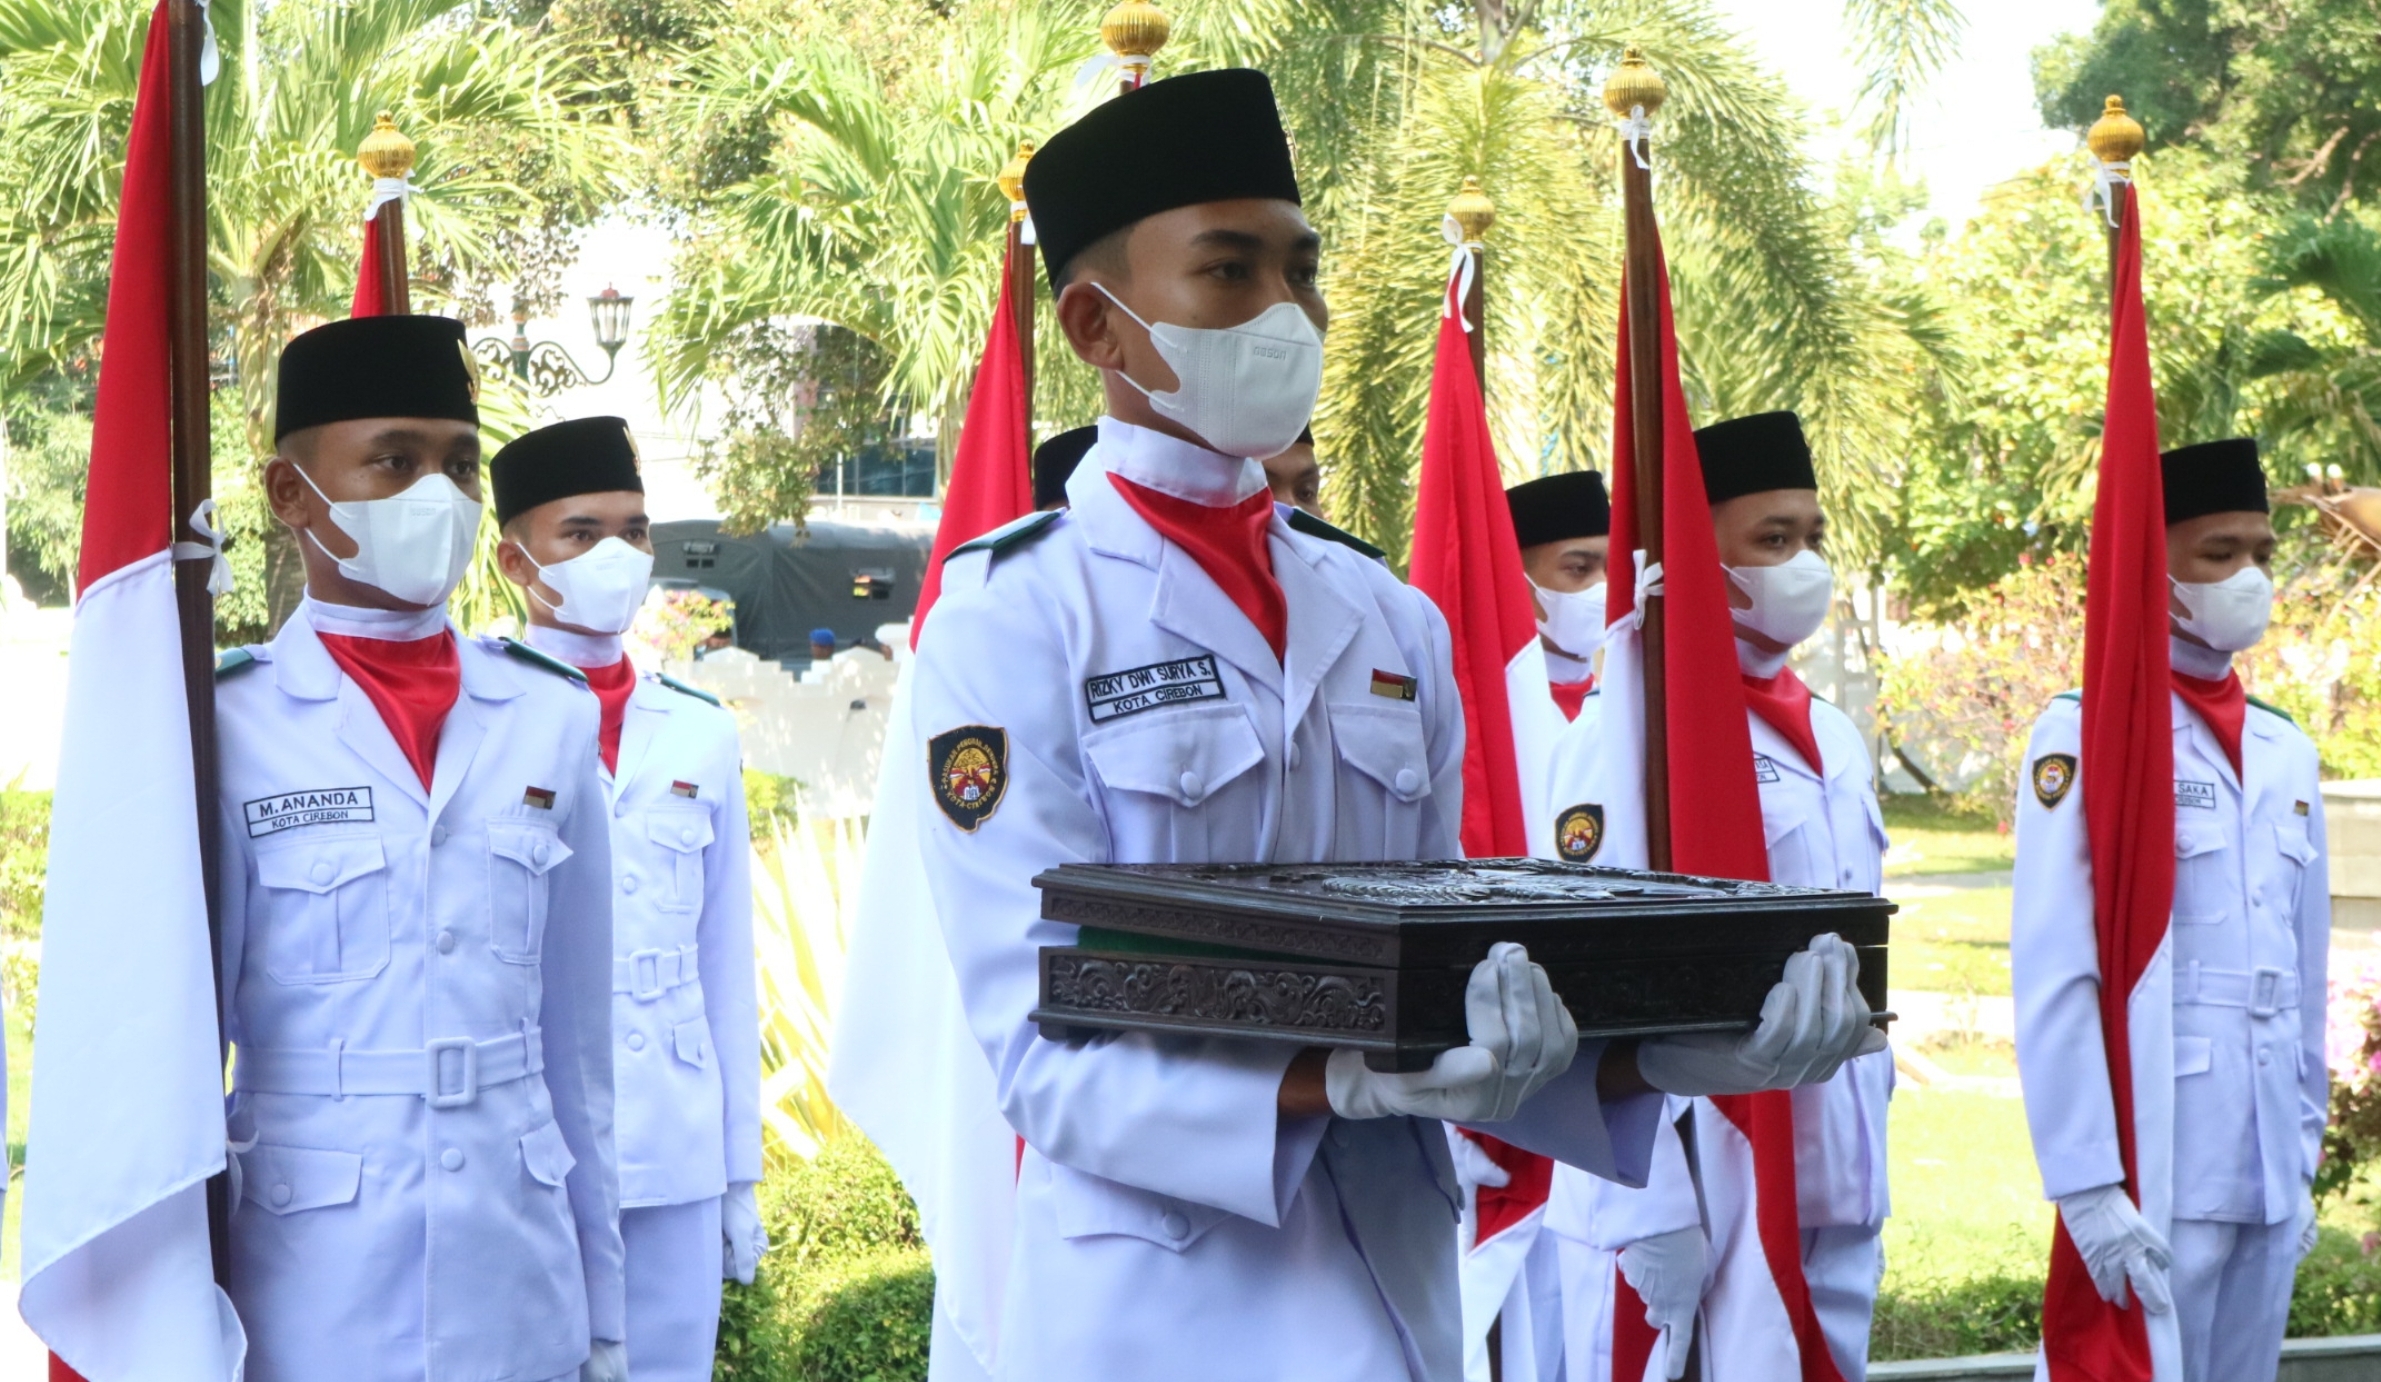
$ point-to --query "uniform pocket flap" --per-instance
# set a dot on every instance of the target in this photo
(693, 1039)
(1776, 826)
(533, 847)
(2291, 838)
(546, 1155)
(287, 1180)
(1185, 755)
(1088, 1206)
(2193, 1055)
(2190, 844)
(1383, 742)
(684, 831)
(320, 865)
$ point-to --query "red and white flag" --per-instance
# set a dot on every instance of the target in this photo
(2128, 757)
(369, 299)
(127, 1120)
(905, 1066)
(1466, 559)
(1759, 1321)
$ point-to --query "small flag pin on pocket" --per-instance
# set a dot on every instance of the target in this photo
(540, 797)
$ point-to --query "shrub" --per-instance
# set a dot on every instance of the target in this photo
(2338, 1289)
(1999, 1313)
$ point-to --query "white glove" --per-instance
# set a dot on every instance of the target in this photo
(1522, 1038)
(1812, 1022)
(745, 1237)
(607, 1361)
(1666, 1272)
(2118, 1245)
(2307, 1228)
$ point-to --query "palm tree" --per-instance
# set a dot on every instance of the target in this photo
(2324, 406)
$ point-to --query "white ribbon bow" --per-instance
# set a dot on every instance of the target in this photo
(2105, 177)
(210, 57)
(1091, 70)
(386, 190)
(202, 522)
(1460, 268)
(1025, 235)
(1649, 584)
(1635, 128)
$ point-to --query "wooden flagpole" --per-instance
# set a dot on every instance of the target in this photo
(1473, 214)
(1018, 265)
(1633, 93)
(387, 153)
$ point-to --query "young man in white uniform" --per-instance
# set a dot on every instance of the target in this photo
(1824, 830)
(685, 1031)
(1564, 524)
(417, 936)
(2225, 1211)
(1168, 671)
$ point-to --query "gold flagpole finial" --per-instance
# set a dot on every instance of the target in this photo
(1134, 31)
(386, 152)
(1472, 210)
(2115, 137)
(1633, 86)
(1011, 178)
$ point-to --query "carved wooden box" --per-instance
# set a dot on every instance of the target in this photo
(1375, 956)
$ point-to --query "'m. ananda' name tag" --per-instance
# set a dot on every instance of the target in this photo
(329, 806)
(1113, 695)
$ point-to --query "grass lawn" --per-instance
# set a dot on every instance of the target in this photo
(1951, 940)
(1934, 836)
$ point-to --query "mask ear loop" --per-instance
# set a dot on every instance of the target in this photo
(531, 589)
(1102, 290)
(331, 517)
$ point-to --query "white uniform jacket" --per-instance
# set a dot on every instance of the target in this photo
(1170, 1224)
(419, 988)
(1822, 833)
(686, 1050)
(2244, 959)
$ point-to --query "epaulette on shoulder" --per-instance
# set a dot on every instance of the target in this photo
(1304, 522)
(683, 689)
(516, 648)
(2272, 709)
(1010, 536)
(233, 661)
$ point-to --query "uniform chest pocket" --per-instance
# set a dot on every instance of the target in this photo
(2203, 874)
(326, 909)
(1384, 743)
(1185, 756)
(520, 856)
(679, 839)
(2298, 855)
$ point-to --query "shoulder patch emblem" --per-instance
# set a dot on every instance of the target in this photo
(518, 649)
(683, 689)
(1579, 833)
(971, 773)
(2054, 775)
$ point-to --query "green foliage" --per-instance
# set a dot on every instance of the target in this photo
(770, 799)
(1949, 1318)
(2338, 1290)
(48, 435)
(2318, 661)
(24, 877)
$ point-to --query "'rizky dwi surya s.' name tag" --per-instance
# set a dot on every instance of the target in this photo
(325, 806)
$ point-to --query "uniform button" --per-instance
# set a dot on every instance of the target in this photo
(438, 835)
(621, 809)
(1175, 1225)
(446, 942)
(1193, 786)
(628, 882)
(636, 1041)
(1408, 781)
(686, 836)
(451, 1159)
(537, 852)
(1293, 755)
(280, 1195)
(2264, 1057)
(322, 871)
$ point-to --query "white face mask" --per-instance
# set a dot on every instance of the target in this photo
(1790, 600)
(1573, 620)
(2227, 615)
(415, 545)
(602, 588)
(1246, 390)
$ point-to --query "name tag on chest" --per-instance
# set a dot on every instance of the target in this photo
(2201, 795)
(328, 806)
(1114, 695)
(1764, 768)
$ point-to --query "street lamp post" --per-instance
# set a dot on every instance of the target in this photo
(544, 366)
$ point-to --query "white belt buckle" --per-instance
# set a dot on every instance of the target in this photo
(644, 975)
(436, 1087)
(2265, 989)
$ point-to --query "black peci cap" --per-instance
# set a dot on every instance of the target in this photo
(398, 366)
(589, 455)
(1054, 460)
(1752, 455)
(2214, 477)
(1557, 508)
(1203, 137)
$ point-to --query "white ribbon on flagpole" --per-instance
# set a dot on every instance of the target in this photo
(386, 190)
(1635, 128)
(1460, 269)
(210, 57)
(2105, 177)
(1648, 585)
(202, 522)
(1025, 235)
(1093, 68)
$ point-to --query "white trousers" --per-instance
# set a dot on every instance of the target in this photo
(1843, 1267)
(673, 1290)
(2232, 1297)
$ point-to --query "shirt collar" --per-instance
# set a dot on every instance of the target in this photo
(1168, 465)
(2191, 660)
(577, 649)
(1758, 662)
(388, 625)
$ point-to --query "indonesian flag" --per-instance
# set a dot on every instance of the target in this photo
(1758, 1314)
(127, 1121)
(1468, 562)
(2128, 757)
(369, 300)
(905, 1068)
(992, 470)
